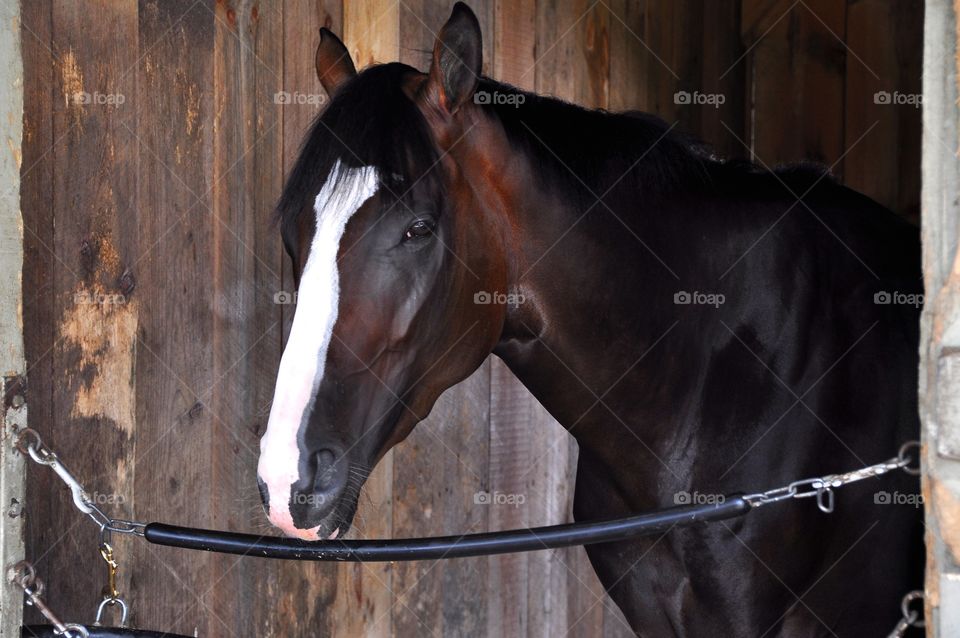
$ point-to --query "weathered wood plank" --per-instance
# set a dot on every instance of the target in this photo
(438, 472)
(91, 192)
(663, 52)
(797, 68)
(175, 365)
(13, 414)
(515, 42)
(301, 25)
(573, 52)
(247, 165)
(510, 443)
(723, 73)
(885, 60)
(674, 34)
(371, 31)
(39, 264)
(630, 58)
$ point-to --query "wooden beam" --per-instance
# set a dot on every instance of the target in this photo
(12, 363)
(940, 322)
(885, 58)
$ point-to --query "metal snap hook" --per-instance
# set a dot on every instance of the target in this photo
(110, 602)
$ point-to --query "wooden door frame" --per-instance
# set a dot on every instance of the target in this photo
(940, 340)
(12, 471)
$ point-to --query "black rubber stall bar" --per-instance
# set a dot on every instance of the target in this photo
(519, 540)
(48, 631)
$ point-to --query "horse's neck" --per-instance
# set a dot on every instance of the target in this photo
(578, 336)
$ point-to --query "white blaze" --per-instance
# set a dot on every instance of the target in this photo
(305, 356)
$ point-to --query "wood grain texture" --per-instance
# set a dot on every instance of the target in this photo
(631, 58)
(13, 414)
(797, 67)
(175, 362)
(371, 31)
(247, 164)
(884, 59)
(723, 73)
(674, 34)
(515, 42)
(39, 265)
(91, 410)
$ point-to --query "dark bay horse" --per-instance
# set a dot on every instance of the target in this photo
(700, 326)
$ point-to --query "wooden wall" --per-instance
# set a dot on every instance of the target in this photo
(151, 330)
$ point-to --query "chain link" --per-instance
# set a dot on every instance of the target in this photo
(822, 487)
(30, 444)
(24, 576)
(910, 618)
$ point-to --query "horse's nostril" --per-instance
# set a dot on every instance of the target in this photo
(326, 470)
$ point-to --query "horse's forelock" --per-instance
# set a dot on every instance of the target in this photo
(371, 122)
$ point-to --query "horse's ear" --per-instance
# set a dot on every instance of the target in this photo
(334, 65)
(457, 60)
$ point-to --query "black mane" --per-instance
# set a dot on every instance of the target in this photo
(372, 121)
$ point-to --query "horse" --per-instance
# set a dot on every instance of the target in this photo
(701, 326)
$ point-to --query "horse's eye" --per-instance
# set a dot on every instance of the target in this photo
(418, 229)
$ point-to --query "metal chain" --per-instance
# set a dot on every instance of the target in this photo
(29, 443)
(911, 618)
(822, 487)
(24, 576)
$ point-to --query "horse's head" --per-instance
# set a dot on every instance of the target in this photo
(390, 246)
